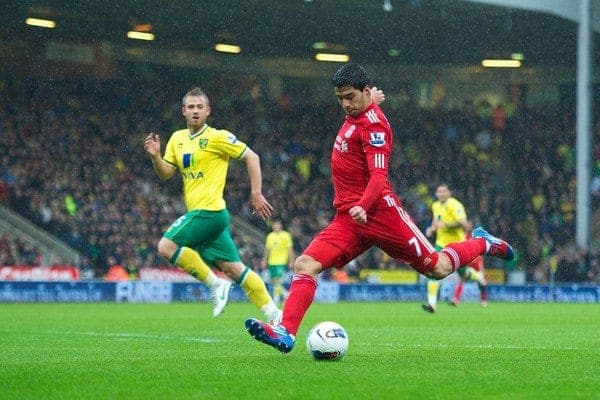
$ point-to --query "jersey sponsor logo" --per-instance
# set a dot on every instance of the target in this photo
(372, 116)
(377, 139)
(349, 132)
(232, 139)
(192, 175)
(202, 143)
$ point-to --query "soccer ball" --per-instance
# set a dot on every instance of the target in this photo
(327, 341)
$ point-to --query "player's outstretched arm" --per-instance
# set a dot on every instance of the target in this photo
(260, 205)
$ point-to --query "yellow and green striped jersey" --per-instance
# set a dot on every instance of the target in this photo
(202, 160)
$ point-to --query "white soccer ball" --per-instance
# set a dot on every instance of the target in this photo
(327, 341)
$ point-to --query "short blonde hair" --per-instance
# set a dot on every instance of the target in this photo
(194, 92)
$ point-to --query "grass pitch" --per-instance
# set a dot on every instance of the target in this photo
(397, 351)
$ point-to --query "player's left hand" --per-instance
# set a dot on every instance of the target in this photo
(261, 206)
(377, 95)
(358, 214)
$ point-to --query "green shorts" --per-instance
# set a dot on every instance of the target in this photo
(277, 271)
(208, 233)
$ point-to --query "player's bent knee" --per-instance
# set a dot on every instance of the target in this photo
(307, 265)
(233, 269)
(440, 271)
(435, 274)
(166, 248)
(443, 267)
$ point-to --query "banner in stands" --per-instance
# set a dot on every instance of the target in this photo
(387, 292)
(53, 292)
(389, 276)
(191, 292)
(168, 274)
(29, 273)
(331, 292)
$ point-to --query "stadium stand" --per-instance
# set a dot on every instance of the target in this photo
(72, 163)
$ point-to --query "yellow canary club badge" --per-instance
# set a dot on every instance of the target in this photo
(202, 143)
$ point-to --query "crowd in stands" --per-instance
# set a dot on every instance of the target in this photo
(15, 250)
(72, 161)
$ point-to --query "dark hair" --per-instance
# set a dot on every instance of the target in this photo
(194, 92)
(350, 74)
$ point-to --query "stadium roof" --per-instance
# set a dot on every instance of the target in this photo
(412, 32)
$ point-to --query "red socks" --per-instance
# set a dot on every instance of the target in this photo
(484, 295)
(462, 253)
(301, 295)
(458, 292)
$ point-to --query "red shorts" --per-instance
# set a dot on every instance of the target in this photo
(477, 263)
(390, 228)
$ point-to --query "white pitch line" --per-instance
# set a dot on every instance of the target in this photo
(481, 346)
(138, 336)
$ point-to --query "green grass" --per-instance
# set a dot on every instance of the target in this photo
(178, 351)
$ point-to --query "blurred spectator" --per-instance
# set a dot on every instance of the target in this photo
(499, 118)
(8, 251)
(86, 269)
(115, 271)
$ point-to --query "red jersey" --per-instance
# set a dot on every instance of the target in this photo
(362, 148)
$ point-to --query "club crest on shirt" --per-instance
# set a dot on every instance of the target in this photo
(377, 139)
(340, 144)
(202, 143)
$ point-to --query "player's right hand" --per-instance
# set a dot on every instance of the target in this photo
(152, 144)
(358, 214)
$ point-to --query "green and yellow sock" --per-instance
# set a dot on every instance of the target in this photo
(257, 292)
(191, 262)
(277, 292)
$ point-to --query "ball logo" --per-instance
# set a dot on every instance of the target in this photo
(329, 355)
(331, 333)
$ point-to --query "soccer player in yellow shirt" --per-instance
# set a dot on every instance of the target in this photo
(278, 257)
(449, 224)
(201, 154)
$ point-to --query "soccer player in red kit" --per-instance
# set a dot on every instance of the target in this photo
(368, 213)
